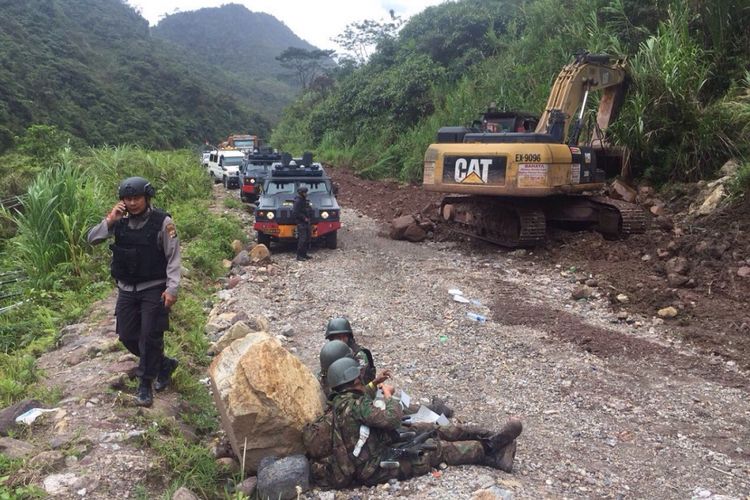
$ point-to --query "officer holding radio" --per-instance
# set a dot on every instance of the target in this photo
(146, 266)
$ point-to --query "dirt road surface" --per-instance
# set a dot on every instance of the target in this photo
(613, 408)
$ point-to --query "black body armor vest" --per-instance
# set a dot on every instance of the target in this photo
(136, 256)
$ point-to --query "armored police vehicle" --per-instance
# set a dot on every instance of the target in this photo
(274, 220)
(253, 171)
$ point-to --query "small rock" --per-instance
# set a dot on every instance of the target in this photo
(667, 312)
(580, 292)
(743, 272)
(646, 258)
(521, 252)
(592, 283)
(226, 264)
(236, 246)
(248, 486)
(260, 254)
(48, 461)
(663, 254)
(184, 494)
(622, 298)
(492, 493)
(15, 448)
(233, 282)
(677, 265)
(242, 258)
(622, 315)
(676, 280)
(58, 484)
(228, 464)
(288, 331)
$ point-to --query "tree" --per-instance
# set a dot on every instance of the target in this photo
(360, 38)
(307, 64)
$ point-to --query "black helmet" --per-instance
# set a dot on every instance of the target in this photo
(333, 351)
(136, 186)
(302, 189)
(342, 371)
(338, 325)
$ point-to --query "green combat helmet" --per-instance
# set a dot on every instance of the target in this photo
(333, 351)
(338, 325)
(342, 371)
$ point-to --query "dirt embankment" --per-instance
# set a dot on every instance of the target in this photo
(712, 304)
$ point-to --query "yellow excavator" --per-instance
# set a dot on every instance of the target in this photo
(507, 186)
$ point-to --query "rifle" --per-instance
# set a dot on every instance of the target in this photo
(414, 448)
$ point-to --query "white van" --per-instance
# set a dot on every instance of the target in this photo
(223, 166)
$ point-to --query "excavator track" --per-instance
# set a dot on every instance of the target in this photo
(633, 219)
(495, 221)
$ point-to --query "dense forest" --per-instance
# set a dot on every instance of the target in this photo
(686, 112)
(93, 69)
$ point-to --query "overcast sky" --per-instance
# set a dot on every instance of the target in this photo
(314, 21)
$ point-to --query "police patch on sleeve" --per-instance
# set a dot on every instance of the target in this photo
(171, 230)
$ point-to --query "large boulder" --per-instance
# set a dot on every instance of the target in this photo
(265, 395)
(235, 332)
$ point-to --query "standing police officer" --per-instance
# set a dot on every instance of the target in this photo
(302, 212)
(146, 265)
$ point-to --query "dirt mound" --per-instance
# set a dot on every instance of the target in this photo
(383, 200)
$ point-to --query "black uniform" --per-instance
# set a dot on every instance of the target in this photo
(302, 213)
(145, 263)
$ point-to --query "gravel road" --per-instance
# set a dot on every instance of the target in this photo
(612, 409)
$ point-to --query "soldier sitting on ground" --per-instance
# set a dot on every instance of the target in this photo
(341, 329)
(364, 445)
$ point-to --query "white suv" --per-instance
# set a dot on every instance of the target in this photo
(223, 166)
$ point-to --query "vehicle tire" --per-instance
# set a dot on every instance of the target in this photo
(224, 181)
(332, 240)
(264, 239)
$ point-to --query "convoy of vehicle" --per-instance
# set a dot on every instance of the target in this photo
(269, 180)
(253, 171)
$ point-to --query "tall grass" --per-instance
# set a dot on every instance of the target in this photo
(53, 220)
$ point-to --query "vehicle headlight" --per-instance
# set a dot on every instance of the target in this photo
(270, 216)
(324, 215)
(252, 181)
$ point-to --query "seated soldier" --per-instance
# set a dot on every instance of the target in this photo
(364, 442)
(341, 329)
(331, 351)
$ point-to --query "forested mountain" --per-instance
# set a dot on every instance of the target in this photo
(93, 69)
(243, 45)
(686, 112)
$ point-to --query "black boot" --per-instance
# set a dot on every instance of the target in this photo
(144, 396)
(168, 366)
(510, 431)
(502, 458)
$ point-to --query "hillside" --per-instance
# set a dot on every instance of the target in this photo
(686, 112)
(242, 44)
(91, 68)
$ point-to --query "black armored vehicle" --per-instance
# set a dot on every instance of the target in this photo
(253, 171)
(273, 214)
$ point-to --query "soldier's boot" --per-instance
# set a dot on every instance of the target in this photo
(144, 396)
(510, 431)
(501, 458)
(439, 406)
(168, 366)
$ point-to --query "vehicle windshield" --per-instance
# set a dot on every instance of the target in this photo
(280, 187)
(244, 144)
(232, 161)
(315, 187)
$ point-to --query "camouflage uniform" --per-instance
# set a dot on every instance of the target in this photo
(365, 360)
(454, 445)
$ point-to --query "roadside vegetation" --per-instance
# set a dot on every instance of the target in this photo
(687, 110)
(52, 277)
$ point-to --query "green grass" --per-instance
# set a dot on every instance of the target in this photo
(233, 203)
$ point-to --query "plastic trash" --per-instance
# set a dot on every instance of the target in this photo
(443, 339)
(29, 416)
(476, 317)
(461, 299)
(455, 291)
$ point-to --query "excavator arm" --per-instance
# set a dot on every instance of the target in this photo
(567, 100)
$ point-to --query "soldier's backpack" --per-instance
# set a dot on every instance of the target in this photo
(331, 464)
